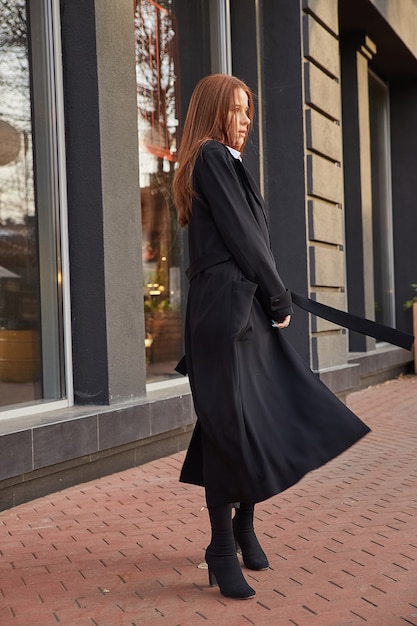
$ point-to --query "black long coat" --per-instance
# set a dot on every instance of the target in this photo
(264, 418)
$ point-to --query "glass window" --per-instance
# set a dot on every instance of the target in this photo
(382, 233)
(31, 349)
(168, 66)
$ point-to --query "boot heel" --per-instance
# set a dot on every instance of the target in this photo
(212, 578)
(224, 571)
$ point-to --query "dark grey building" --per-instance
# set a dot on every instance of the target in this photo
(93, 95)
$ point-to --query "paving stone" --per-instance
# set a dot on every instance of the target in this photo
(128, 549)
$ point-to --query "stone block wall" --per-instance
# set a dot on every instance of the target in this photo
(324, 176)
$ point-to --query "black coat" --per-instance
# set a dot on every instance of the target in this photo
(264, 418)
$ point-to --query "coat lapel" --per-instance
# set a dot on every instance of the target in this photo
(254, 197)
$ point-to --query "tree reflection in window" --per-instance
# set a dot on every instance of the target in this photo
(157, 82)
(19, 264)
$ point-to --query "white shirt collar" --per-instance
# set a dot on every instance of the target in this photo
(235, 153)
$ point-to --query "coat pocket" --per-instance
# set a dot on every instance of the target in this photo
(242, 300)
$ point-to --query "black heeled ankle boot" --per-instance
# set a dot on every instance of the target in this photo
(224, 570)
(252, 554)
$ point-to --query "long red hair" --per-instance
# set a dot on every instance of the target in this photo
(207, 118)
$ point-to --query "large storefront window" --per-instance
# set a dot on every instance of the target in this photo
(31, 351)
(382, 229)
(168, 66)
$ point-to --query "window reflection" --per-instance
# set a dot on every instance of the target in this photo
(382, 233)
(156, 69)
(19, 267)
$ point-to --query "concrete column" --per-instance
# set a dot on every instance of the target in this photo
(283, 151)
(103, 198)
(324, 189)
(120, 197)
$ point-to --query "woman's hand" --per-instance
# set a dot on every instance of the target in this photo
(284, 323)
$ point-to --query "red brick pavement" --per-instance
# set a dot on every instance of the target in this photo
(128, 549)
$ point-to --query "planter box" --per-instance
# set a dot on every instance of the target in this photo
(19, 356)
(164, 330)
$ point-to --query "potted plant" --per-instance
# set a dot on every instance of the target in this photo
(412, 304)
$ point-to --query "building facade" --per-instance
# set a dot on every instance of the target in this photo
(93, 95)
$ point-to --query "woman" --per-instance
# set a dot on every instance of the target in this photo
(264, 418)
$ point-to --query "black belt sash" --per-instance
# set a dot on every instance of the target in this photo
(341, 318)
(354, 322)
(206, 261)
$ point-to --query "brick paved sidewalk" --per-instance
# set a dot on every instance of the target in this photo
(128, 549)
